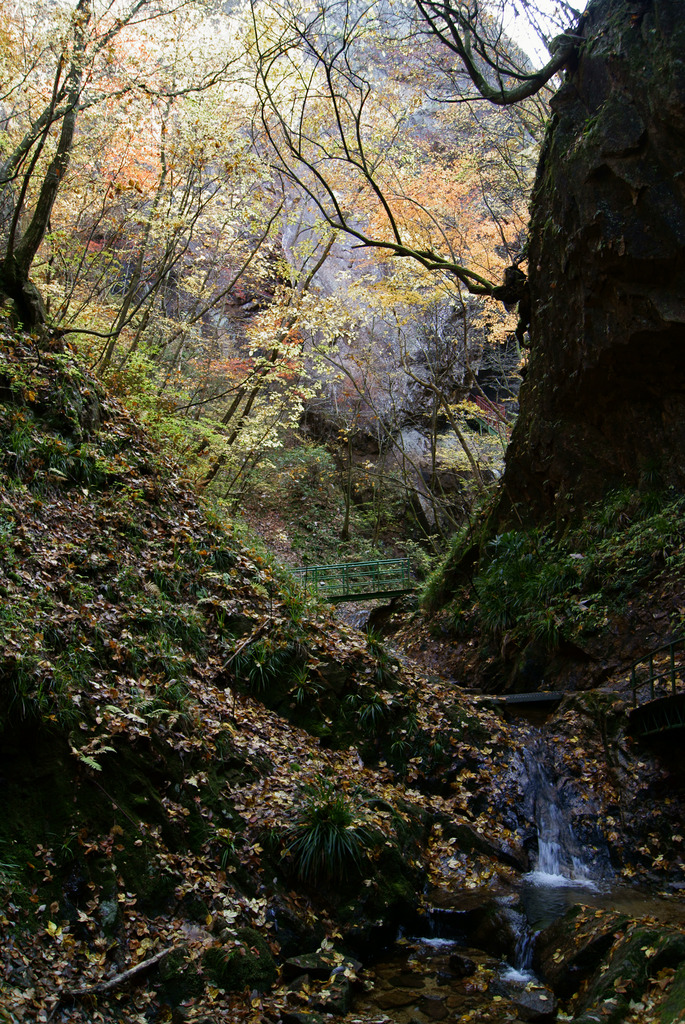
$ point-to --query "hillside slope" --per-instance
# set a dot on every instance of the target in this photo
(148, 792)
(203, 776)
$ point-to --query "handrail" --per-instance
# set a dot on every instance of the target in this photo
(661, 677)
(357, 579)
(339, 565)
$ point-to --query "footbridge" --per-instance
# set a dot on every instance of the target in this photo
(357, 581)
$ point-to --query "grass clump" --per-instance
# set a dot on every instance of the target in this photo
(523, 576)
(261, 664)
(328, 838)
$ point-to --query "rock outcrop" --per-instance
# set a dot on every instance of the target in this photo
(603, 405)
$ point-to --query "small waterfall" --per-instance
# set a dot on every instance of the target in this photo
(568, 858)
(525, 946)
(521, 962)
(560, 857)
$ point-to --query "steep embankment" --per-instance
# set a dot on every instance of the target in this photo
(201, 775)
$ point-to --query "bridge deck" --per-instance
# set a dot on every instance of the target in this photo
(357, 581)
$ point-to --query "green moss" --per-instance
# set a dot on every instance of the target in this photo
(544, 588)
(247, 965)
(635, 960)
(672, 1008)
(180, 979)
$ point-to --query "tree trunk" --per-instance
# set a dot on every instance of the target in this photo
(16, 263)
(29, 309)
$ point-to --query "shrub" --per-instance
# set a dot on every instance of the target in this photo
(517, 587)
(385, 664)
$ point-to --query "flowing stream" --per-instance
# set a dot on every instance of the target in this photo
(454, 969)
(440, 974)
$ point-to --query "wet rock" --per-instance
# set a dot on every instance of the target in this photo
(319, 965)
(495, 931)
(535, 1004)
(302, 1017)
(469, 840)
(371, 937)
(335, 998)
(434, 1007)
(568, 952)
(462, 966)
(394, 999)
(408, 979)
(635, 960)
(292, 932)
(298, 984)
(673, 1006)
(474, 919)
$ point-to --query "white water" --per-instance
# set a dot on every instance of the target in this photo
(521, 971)
(557, 864)
(561, 859)
(563, 867)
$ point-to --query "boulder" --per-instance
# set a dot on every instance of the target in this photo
(537, 1004)
(568, 952)
(321, 965)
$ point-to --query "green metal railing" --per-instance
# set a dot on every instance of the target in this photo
(356, 581)
(658, 683)
(661, 671)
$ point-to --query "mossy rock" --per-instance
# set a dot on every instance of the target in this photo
(248, 965)
(180, 979)
(397, 893)
(634, 961)
(193, 908)
(392, 897)
(568, 951)
(336, 998)
(672, 1008)
(319, 965)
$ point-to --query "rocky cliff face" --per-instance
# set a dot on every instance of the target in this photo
(604, 402)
